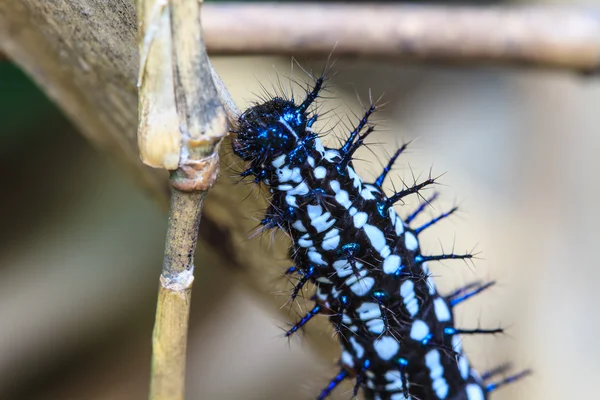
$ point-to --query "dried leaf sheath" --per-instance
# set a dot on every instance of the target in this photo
(159, 138)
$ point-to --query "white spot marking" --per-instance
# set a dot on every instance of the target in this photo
(376, 237)
(376, 326)
(323, 279)
(334, 292)
(285, 188)
(347, 359)
(320, 172)
(279, 161)
(331, 155)
(316, 257)
(411, 241)
(319, 146)
(355, 277)
(291, 200)
(332, 233)
(430, 282)
(299, 226)
(288, 127)
(360, 219)
(343, 198)
(320, 295)
(314, 211)
(398, 396)
(385, 252)
(363, 286)
(346, 319)
(392, 215)
(355, 178)
(321, 223)
(441, 388)
(330, 243)
(399, 227)
(358, 349)
(296, 176)
(391, 264)
(367, 192)
(386, 347)
(305, 241)
(335, 186)
(395, 377)
(442, 312)
(368, 310)
(352, 211)
(419, 330)
(301, 189)
(344, 268)
(436, 373)
(457, 344)
(407, 291)
(463, 366)
(311, 161)
(474, 392)
(284, 174)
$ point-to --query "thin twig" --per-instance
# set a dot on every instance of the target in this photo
(169, 338)
(556, 37)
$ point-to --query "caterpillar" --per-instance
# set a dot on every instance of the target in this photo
(397, 334)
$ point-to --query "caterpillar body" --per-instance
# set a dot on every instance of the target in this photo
(397, 334)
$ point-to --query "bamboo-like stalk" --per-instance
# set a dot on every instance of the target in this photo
(181, 125)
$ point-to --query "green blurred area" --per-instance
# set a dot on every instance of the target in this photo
(24, 107)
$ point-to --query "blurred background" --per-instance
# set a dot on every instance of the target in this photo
(81, 245)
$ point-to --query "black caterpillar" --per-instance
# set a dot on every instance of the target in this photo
(397, 333)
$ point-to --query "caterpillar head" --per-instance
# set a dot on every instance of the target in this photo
(268, 130)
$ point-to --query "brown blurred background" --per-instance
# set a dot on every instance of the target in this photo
(80, 248)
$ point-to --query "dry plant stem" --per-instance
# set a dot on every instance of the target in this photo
(182, 124)
(172, 312)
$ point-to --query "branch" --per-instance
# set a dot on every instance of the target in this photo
(557, 37)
